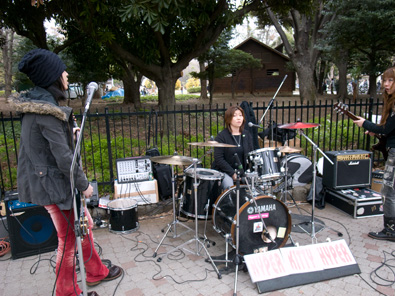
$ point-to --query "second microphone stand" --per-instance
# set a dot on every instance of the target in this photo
(78, 230)
(315, 148)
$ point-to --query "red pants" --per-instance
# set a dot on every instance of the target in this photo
(66, 283)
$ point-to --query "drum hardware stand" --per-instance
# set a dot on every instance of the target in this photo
(175, 221)
(238, 258)
(199, 244)
(312, 222)
(285, 191)
(204, 237)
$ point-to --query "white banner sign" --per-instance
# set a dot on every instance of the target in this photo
(294, 260)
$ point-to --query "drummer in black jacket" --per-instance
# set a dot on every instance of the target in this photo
(228, 159)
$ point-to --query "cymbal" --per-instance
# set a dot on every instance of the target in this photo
(298, 125)
(173, 159)
(211, 144)
(287, 149)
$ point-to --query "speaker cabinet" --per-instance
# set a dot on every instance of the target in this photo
(350, 169)
(30, 227)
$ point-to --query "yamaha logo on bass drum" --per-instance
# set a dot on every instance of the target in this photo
(261, 209)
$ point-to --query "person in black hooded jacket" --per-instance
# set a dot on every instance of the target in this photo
(44, 161)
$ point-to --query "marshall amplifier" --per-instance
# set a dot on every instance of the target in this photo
(350, 169)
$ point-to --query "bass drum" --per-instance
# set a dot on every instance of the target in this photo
(252, 238)
(300, 168)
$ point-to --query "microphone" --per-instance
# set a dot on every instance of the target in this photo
(91, 89)
(250, 124)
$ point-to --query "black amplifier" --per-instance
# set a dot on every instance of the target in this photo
(350, 169)
(358, 202)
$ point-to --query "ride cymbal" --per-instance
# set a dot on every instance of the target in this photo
(298, 125)
(173, 159)
(211, 144)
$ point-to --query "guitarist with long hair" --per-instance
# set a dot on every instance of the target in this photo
(386, 127)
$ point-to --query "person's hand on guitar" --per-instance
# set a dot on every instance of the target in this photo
(88, 192)
(359, 122)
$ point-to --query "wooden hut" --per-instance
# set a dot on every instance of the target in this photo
(265, 80)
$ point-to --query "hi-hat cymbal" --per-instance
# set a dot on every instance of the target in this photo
(298, 125)
(287, 149)
(211, 144)
(173, 159)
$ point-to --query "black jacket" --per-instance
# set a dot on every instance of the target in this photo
(46, 151)
(224, 156)
(388, 129)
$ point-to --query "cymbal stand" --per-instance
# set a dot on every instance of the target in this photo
(199, 244)
(173, 225)
(315, 148)
(204, 237)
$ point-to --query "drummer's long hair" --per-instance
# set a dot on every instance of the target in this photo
(389, 99)
(229, 116)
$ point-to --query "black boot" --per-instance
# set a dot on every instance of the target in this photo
(388, 233)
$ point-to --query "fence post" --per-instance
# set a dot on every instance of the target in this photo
(108, 132)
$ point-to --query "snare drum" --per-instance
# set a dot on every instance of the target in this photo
(266, 163)
(123, 215)
(209, 188)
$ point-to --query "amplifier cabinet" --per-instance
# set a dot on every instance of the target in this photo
(350, 169)
(358, 202)
(30, 228)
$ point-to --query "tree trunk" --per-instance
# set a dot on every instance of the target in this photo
(372, 86)
(203, 83)
(7, 58)
(342, 67)
(166, 96)
(307, 87)
(233, 86)
(131, 85)
(211, 83)
(321, 77)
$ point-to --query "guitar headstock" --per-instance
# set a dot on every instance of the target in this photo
(343, 109)
(340, 107)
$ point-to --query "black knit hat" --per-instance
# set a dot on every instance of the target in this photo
(42, 66)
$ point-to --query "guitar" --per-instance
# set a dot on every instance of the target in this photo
(380, 146)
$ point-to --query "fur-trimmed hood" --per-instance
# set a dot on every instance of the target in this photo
(38, 101)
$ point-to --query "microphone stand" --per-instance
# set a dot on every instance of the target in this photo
(315, 148)
(92, 87)
(271, 103)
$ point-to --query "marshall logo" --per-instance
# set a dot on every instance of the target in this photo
(261, 209)
(353, 163)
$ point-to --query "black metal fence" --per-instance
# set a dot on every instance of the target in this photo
(119, 133)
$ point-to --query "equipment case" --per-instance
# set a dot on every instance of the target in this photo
(358, 202)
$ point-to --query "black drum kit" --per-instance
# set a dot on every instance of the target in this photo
(248, 216)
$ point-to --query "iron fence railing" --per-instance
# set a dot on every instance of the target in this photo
(119, 133)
